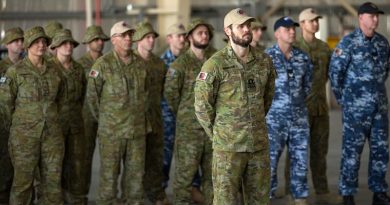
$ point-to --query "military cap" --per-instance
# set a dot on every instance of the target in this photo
(33, 34)
(142, 29)
(94, 32)
(177, 28)
(198, 22)
(258, 24)
(52, 27)
(236, 16)
(369, 8)
(284, 21)
(12, 34)
(62, 36)
(308, 14)
(120, 27)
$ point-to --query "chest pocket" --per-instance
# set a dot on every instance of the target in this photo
(232, 83)
(117, 84)
(29, 87)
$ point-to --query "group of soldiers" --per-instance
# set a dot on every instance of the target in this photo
(225, 116)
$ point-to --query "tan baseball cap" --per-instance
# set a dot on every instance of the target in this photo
(120, 27)
(308, 14)
(177, 28)
(236, 16)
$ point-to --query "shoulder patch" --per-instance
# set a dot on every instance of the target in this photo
(93, 73)
(338, 51)
(202, 76)
(3, 80)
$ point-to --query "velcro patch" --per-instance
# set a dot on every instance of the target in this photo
(93, 73)
(202, 76)
(338, 51)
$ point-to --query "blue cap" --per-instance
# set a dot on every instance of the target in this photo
(285, 21)
(369, 8)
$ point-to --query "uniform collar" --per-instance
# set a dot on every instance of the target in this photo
(233, 57)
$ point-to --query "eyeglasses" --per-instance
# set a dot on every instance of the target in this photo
(123, 35)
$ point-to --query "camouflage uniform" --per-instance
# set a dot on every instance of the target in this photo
(192, 146)
(31, 96)
(73, 175)
(287, 119)
(155, 74)
(358, 70)
(6, 173)
(231, 100)
(319, 54)
(116, 95)
(90, 123)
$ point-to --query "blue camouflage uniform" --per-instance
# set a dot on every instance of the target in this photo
(287, 119)
(358, 71)
(169, 123)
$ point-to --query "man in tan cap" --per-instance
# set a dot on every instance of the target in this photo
(13, 41)
(30, 92)
(74, 177)
(94, 39)
(257, 28)
(192, 146)
(233, 93)
(319, 53)
(145, 37)
(116, 95)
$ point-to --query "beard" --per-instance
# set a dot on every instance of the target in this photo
(241, 41)
(199, 45)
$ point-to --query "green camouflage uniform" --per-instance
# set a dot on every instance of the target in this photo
(116, 95)
(90, 123)
(35, 134)
(155, 74)
(6, 173)
(31, 97)
(7, 170)
(74, 165)
(320, 54)
(156, 70)
(231, 101)
(192, 146)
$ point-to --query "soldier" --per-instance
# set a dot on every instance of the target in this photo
(145, 37)
(30, 91)
(358, 71)
(233, 93)
(74, 165)
(50, 29)
(257, 28)
(192, 146)
(94, 38)
(287, 119)
(116, 95)
(319, 54)
(13, 40)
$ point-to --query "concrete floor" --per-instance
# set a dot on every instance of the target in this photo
(363, 197)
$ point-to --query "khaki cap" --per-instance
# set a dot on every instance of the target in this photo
(33, 34)
(52, 27)
(177, 28)
(120, 27)
(236, 16)
(198, 22)
(12, 34)
(258, 24)
(94, 32)
(308, 14)
(61, 37)
(142, 29)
